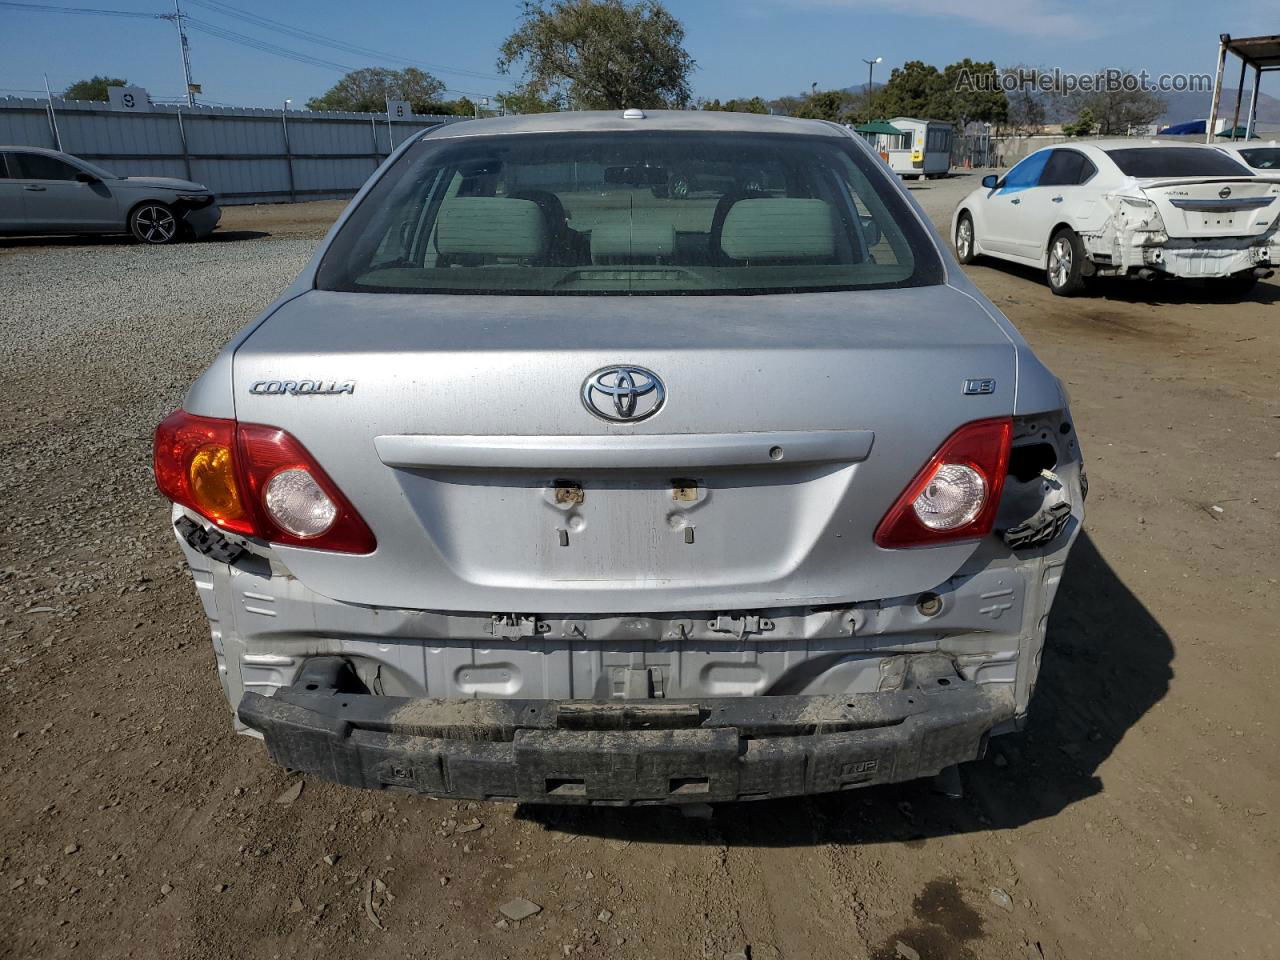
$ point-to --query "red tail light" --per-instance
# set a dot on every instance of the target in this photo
(255, 480)
(957, 493)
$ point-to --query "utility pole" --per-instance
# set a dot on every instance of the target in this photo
(186, 52)
(871, 70)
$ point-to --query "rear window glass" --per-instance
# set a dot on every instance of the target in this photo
(631, 213)
(1262, 158)
(1175, 162)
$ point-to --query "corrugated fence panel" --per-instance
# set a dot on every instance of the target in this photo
(240, 153)
(27, 125)
(318, 175)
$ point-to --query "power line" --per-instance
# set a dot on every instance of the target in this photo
(226, 9)
(232, 36)
(222, 33)
(264, 46)
(92, 11)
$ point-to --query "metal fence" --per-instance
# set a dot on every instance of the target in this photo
(245, 155)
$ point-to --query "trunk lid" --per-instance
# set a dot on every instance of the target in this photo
(456, 426)
(1217, 207)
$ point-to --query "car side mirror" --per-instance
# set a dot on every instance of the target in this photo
(990, 181)
(83, 177)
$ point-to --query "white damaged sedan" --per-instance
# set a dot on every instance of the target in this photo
(1150, 208)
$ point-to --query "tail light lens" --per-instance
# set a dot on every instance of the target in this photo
(957, 493)
(255, 480)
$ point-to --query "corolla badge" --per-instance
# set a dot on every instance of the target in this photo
(623, 393)
(302, 387)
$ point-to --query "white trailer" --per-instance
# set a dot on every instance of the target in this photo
(927, 152)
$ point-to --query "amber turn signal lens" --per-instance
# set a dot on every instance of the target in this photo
(213, 483)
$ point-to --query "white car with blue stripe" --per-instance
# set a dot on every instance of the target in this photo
(1150, 208)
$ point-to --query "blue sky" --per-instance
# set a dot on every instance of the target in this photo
(743, 47)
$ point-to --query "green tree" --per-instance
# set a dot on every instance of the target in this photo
(1082, 125)
(960, 93)
(838, 106)
(368, 90)
(1115, 110)
(913, 90)
(736, 105)
(787, 106)
(601, 54)
(522, 100)
(95, 88)
(971, 91)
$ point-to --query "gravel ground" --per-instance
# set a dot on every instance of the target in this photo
(1136, 818)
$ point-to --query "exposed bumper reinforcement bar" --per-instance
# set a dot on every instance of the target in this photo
(625, 752)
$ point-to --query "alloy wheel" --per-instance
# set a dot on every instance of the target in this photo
(156, 224)
(1060, 261)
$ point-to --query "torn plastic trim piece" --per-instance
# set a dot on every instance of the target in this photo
(213, 543)
(1048, 522)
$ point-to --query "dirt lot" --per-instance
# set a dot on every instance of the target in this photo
(1138, 817)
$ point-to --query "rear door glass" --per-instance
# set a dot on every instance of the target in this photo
(1066, 168)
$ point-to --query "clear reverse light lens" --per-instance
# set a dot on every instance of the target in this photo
(952, 498)
(296, 502)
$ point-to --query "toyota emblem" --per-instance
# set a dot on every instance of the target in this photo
(623, 393)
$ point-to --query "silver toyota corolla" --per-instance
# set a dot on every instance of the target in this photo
(547, 482)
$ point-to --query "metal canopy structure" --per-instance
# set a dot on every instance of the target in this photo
(1260, 53)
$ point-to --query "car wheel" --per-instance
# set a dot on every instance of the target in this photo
(1065, 270)
(155, 223)
(1237, 285)
(964, 240)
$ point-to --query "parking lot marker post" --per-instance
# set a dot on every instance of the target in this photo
(53, 118)
(182, 137)
(288, 157)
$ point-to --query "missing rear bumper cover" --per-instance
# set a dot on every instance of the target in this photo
(632, 753)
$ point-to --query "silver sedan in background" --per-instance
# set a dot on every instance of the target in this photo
(47, 192)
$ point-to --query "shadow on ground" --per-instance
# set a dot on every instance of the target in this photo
(1107, 662)
(120, 240)
(1132, 290)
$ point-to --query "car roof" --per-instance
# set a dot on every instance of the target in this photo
(602, 121)
(1139, 143)
(27, 149)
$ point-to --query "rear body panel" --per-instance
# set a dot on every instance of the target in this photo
(457, 532)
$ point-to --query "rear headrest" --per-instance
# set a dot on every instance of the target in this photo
(778, 228)
(626, 238)
(491, 226)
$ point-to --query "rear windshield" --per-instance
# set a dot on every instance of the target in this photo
(1175, 162)
(631, 213)
(1262, 158)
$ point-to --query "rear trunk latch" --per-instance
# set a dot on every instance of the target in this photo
(510, 626)
(740, 626)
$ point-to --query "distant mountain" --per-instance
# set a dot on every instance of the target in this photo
(1195, 106)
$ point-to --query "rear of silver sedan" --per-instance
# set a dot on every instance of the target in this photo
(546, 482)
